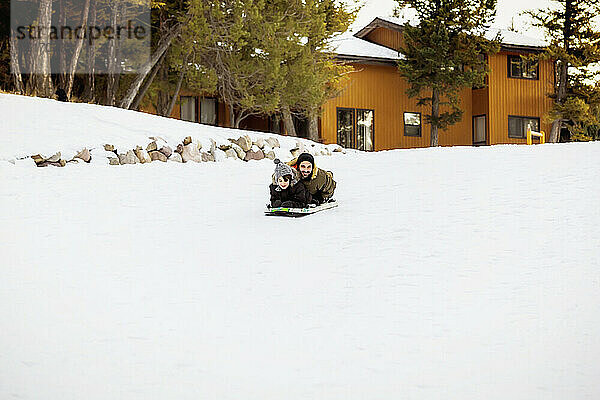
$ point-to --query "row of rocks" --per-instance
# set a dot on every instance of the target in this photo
(57, 160)
(243, 148)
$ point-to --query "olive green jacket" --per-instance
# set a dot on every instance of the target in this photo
(320, 185)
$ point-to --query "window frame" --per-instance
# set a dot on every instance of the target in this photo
(356, 110)
(523, 67)
(354, 138)
(197, 114)
(485, 129)
(524, 131)
(420, 123)
(216, 111)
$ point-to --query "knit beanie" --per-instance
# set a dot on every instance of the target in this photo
(306, 157)
(282, 169)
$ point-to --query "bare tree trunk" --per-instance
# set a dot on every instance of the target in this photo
(561, 93)
(112, 56)
(288, 122)
(147, 67)
(42, 82)
(62, 21)
(177, 88)
(231, 116)
(77, 52)
(313, 124)
(435, 113)
(16, 66)
(140, 96)
(91, 83)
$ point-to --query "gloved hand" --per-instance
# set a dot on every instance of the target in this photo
(276, 203)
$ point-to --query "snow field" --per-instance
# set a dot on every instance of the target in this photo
(455, 273)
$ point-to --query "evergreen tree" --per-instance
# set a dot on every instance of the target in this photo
(312, 75)
(575, 46)
(443, 54)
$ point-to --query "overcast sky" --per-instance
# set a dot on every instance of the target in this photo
(505, 10)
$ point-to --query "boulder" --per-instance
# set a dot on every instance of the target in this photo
(272, 142)
(176, 157)
(230, 153)
(295, 152)
(109, 147)
(270, 155)
(84, 155)
(179, 148)
(187, 140)
(152, 146)
(113, 161)
(166, 150)
(54, 158)
(338, 149)
(260, 142)
(225, 147)
(38, 159)
(240, 153)
(254, 155)
(207, 156)
(220, 155)
(213, 146)
(158, 156)
(191, 153)
(142, 155)
(244, 142)
(128, 158)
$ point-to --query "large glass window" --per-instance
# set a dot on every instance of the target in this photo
(345, 127)
(189, 107)
(208, 111)
(517, 126)
(364, 129)
(412, 124)
(355, 128)
(519, 68)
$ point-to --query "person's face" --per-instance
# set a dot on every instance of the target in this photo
(305, 168)
(283, 182)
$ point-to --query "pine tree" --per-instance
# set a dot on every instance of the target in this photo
(443, 54)
(575, 46)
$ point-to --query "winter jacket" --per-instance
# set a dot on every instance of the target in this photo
(320, 185)
(293, 196)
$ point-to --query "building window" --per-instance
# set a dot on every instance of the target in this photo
(412, 124)
(189, 107)
(364, 129)
(519, 68)
(517, 126)
(479, 130)
(208, 111)
(345, 127)
(355, 128)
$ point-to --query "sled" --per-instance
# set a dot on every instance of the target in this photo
(298, 212)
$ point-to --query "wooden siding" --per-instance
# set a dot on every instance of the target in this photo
(386, 37)
(380, 88)
(518, 97)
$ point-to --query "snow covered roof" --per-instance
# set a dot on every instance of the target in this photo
(350, 46)
(510, 39)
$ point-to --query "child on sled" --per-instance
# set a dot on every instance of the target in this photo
(286, 190)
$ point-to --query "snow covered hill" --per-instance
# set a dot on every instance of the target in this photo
(447, 273)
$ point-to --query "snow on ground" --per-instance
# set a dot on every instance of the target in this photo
(448, 273)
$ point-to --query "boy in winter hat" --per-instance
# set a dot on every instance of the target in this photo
(285, 190)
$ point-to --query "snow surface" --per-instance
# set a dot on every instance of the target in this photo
(353, 46)
(448, 273)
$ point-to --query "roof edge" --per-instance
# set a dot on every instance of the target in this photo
(377, 23)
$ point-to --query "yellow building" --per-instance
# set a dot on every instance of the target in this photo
(373, 111)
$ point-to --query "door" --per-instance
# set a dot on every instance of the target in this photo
(479, 130)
